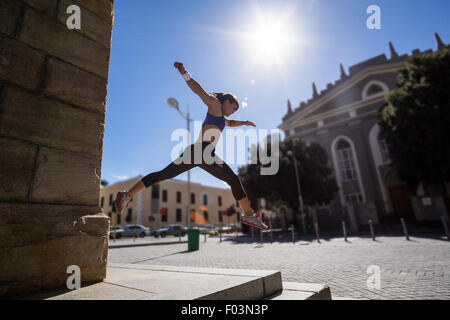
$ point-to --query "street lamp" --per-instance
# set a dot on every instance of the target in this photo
(173, 103)
(300, 198)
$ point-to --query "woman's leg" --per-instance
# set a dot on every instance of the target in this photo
(224, 173)
(171, 171)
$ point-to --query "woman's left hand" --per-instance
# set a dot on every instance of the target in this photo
(249, 123)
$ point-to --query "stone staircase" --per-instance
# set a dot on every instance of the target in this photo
(151, 282)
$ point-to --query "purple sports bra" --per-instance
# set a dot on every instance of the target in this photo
(216, 121)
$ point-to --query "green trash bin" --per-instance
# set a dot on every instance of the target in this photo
(193, 238)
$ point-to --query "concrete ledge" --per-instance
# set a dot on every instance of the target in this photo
(303, 291)
(133, 281)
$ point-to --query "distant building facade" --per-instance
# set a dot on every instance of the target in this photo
(167, 203)
(343, 119)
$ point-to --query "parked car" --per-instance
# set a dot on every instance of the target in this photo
(171, 230)
(230, 228)
(133, 230)
(119, 232)
(207, 228)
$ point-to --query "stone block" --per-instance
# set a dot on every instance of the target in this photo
(16, 169)
(54, 244)
(10, 11)
(46, 6)
(19, 64)
(73, 85)
(46, 121)
(92, 26)
(66, 178)
(41, 32)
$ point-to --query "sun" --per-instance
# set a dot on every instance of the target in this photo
(270, 41)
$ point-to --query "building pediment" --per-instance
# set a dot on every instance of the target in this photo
(366, 80)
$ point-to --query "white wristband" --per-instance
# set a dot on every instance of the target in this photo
(186, 76)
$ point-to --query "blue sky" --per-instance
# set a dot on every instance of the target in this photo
(211, 38)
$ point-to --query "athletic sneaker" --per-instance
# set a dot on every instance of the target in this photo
(255, 220)
(122, 201)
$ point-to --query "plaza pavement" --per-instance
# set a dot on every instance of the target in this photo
(416, 269)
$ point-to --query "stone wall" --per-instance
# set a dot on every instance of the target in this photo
(53, 85)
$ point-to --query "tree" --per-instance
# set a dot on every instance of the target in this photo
(316, 183)
(416, 121)
(104, 183)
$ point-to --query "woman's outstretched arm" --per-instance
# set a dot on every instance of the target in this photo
(236, 123)
(208, 99)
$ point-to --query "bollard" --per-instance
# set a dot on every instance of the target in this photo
(345, 230)
(316, 227)
(371, 229)
(205, 237)
(405, 230)
(271, 237)
(220, 235)
(445, 227)
(179, 237)
(293, 235)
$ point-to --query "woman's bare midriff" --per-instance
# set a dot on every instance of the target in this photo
(210, 133)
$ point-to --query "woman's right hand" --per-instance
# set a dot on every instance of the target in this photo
(180, 67)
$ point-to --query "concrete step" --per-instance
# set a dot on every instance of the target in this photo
(302, 291)
(153, 282)
(138, 281)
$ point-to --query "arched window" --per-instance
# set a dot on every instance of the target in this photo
(347, 170)
(384, 149)
(373, 89)
(345, 161)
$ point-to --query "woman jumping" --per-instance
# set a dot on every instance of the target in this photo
(201, 153)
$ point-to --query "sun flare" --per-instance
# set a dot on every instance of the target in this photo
(270, 41)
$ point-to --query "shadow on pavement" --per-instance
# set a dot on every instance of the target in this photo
(301, 239)
(166, 255)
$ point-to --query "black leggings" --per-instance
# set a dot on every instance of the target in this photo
(221, 171)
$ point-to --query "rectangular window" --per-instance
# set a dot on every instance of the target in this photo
(179, 215)
(220, 201)
(205, 199)
(164, 216)
(178, 197)
(102, 202)
(155, 191)
(164, 196)
(220, 216)
(347, 165)
(205, 214)
(110, 200)
(129, 217)
(192, 198)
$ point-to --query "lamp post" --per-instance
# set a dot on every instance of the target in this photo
(174, 104)
(300, 198)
